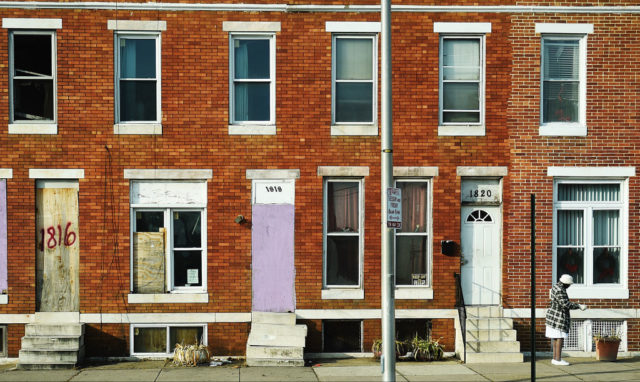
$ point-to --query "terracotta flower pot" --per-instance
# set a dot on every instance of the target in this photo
(607, 350)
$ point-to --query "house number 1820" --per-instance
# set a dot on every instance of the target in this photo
(480, 193)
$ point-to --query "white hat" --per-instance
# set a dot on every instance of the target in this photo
(566, 279)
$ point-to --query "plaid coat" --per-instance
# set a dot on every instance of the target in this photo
(558, 312)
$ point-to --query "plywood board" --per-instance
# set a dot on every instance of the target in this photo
(57, 250)
(148, 262)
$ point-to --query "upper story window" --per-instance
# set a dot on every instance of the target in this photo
(563, 77)
(252, 79)
(138, 77)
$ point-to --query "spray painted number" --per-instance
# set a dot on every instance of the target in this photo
(480, 193)
(273, 188)
(54, 239)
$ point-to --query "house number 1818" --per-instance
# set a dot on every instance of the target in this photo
(273, 188)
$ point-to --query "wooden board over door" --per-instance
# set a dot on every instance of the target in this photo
(57, 250)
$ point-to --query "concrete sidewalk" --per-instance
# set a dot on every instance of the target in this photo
(351, 370)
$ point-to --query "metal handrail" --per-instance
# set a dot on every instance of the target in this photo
(462, 313)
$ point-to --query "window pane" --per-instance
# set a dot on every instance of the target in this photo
(342, 336)
(606, 266)
(149, 340)
(606, 227)
(560, 101)
(571, 262)
(252, 102)
(138, 101)
(32, 55)
(343, 207)
(460, 117)
(149, 221)
(185, 335)
(137, 58)
(32, 100)
(411, 258)
(354, 102)
(414, 206)
(186, 229)
(354, 59)
(460, 52)
(461, 73)
(570, 192)
(251, 58)
(570, 227)
(187, 268)
(342, 260)
(460, 96)
(561, 59)
(408, 329)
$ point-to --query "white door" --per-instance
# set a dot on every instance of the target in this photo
(481, 249)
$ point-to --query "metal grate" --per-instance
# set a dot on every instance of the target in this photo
(610, 327)
(575, 336)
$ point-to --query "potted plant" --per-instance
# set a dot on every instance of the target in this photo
(427, 350)
(376, 348)
(607, 346)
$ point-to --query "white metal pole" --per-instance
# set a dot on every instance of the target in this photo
(388, 263)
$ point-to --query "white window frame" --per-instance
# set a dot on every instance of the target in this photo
(461, 127)
(578, 128)
(588, 289)
(33, 126)
(360, 127)
(266, 127)
(343, 291)
(409, 292)
(138, 127)
(170, 351)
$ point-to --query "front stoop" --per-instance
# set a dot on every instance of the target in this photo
(51, 345)
(275, 340)
(490, 336)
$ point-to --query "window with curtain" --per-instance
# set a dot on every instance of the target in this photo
(588, 239)
(33, 76)
(252, 79)
(413, 238)
(560, 79)
(342, 233)
(461, 80)
(138, 78)
(354, 74)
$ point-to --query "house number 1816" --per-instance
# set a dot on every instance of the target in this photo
(273, 188)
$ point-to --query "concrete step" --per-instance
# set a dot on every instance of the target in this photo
(54, 330)
(279, 330)
(275, 352)
(266, 339)
(273, 318)
(491, 335)
(489, 323)
(484, 311)
(493, 346)
(47, 366)
(51, 343)
(50, 356)
(274, 362)
(495, 357)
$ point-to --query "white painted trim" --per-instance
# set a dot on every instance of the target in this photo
(57, 183)
(364, 314)
(137, 25)
(252, 129)
(408, 171)
(33, 128)
(564, 28)
(251, 26)
(4, 299)
(273, 174)
(161, 318)
(439, 27)
(495, 171)
(601, 292)
(620, 314)
(462, 131)
(558, 129)
(592, 172)
(16, 318)
(343, 294)
(137, 129)
(168, 298)
(352, 26)
(354, 130)
(164, 174)
(6, 173)
(56, 173)
(343, 170)
(31, 23)
(414, 293)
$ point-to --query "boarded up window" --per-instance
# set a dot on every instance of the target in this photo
(148, 262)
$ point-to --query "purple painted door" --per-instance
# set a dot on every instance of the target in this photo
(273, 272)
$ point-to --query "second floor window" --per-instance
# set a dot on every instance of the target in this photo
(354, 79)
(138, 78)
(561, 84)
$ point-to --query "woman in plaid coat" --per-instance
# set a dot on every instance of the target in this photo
(558, 319)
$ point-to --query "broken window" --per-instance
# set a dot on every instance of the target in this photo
(162, 339)
(33, 82)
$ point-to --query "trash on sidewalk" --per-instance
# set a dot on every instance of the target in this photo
(219, 362)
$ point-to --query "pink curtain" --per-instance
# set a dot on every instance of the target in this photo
(414, 206)
(343, 207)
